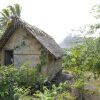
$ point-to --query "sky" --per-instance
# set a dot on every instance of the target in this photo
(55, 17)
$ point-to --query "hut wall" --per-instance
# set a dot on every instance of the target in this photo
(25, 47)
(53, 66)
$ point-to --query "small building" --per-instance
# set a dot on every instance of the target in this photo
(23, 42)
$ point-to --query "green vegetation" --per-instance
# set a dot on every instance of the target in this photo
(85, 57)
(13, 80)
(27, 83)
(84, 63)
(5, 16)
(56, 93)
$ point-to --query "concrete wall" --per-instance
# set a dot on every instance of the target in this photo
(26, 48)
(54, 66)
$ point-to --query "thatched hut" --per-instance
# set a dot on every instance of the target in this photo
(23, 42)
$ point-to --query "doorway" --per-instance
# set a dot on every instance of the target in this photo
(8, 57)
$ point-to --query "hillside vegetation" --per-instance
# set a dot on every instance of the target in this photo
(27, 83)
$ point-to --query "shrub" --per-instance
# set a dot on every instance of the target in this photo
(24, 77)
(8, 79)
(56, 93)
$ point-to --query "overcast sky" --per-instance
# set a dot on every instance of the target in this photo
(56, 17)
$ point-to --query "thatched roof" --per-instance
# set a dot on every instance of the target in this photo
(44, 39)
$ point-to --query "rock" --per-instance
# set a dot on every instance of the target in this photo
(62, 77)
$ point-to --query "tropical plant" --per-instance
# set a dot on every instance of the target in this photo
(92, 28)
(6, 13)
(56, 93)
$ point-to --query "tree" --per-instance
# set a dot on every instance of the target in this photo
(92, 28)
(85, 57)
(6, 14)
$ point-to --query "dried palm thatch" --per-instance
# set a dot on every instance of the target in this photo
(44, 39)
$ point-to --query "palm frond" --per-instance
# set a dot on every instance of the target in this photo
(12, 10)
(5, 12)
(18, 9)
(5, 15)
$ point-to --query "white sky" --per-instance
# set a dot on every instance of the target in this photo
(56, 17)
